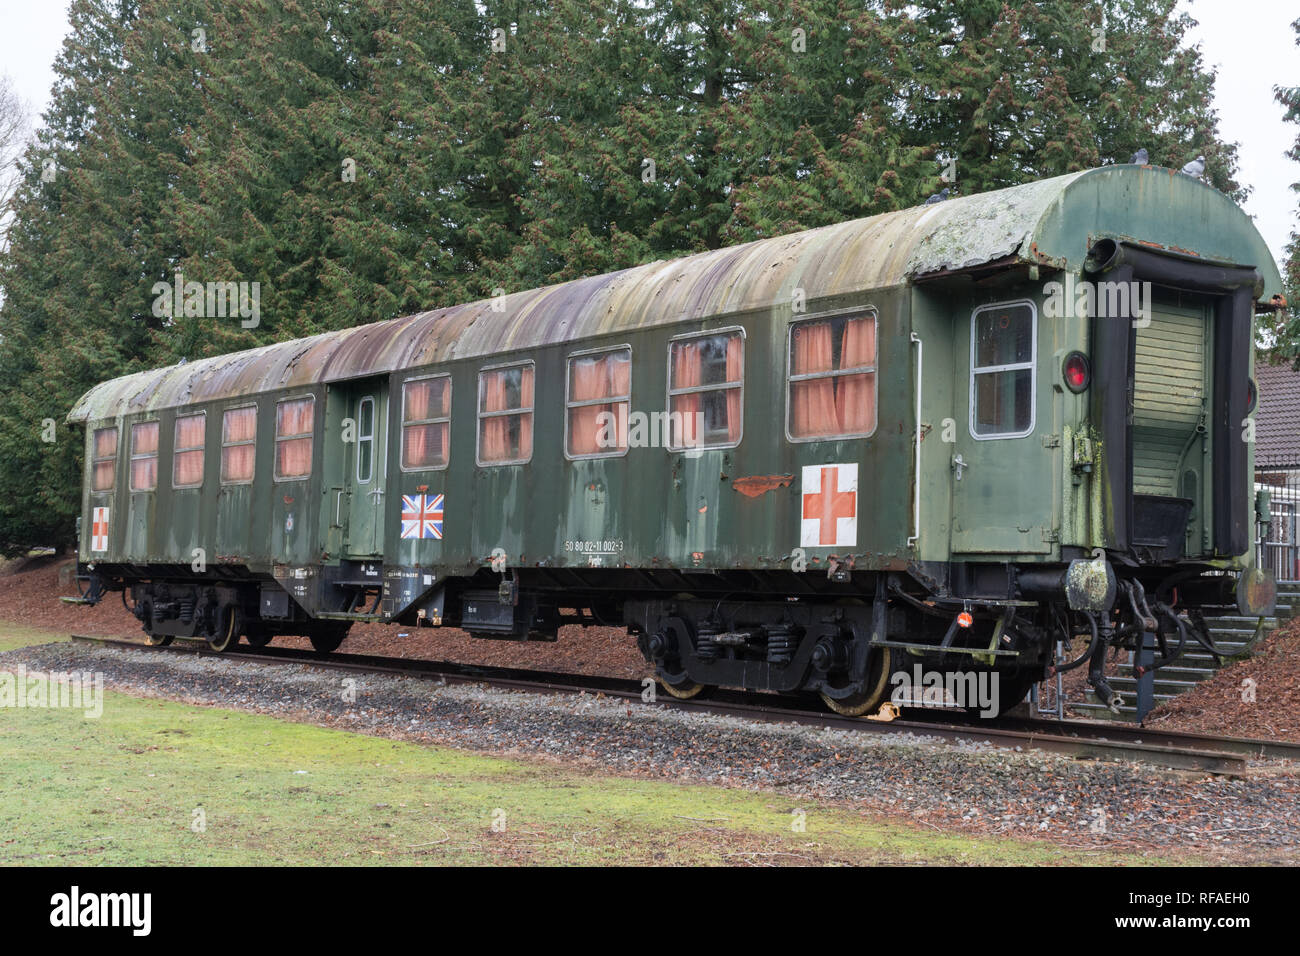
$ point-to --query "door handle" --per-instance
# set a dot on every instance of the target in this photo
(959, 465)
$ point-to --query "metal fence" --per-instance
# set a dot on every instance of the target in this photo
(1276, 546)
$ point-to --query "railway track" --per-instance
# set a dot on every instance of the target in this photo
(1080, 739)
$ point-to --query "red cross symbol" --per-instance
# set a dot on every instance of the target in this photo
(99, 530)
(828, 504)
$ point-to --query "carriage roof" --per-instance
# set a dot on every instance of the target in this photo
(1050, 223)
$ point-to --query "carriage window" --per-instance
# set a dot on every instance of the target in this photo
(1002, 371)
(144, 456)
(238, 444)
(705, 386)
(103, 459)
(505, 415)
(365, 439)
(599, 404)
(832, 378)
(293, 428)
(187, 458)
(426, 423)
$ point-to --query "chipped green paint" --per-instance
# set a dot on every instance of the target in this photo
(662, 509)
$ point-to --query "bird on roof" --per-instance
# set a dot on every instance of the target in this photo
(1195, 168)
(1139, 158)
(937, 197)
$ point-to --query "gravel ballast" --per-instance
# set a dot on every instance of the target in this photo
(975, 789)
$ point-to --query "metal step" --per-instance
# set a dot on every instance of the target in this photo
(1239, 622)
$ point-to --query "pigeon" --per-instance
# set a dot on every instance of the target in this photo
(1140, 157)
(937, 197)
(1195, 168)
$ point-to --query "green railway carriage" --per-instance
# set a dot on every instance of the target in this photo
(951, 434)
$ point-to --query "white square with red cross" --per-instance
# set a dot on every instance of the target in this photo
(829, 506)
(99, 530)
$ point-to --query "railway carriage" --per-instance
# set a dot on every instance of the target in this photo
(952, 436)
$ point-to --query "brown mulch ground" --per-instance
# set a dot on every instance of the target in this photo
(1223, 704)
(30, 591)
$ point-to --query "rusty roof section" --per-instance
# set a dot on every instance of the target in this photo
(1028, 222)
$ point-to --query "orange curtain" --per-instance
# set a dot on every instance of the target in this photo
(237, 462)
(187, 461)
(735, 373)
(293, 455)
(104, 457)
(105, 442)
(294, 417)
(506, 437)
(293, 458)
(687, 361)
(812, 402)
(417, 401)
(144, 469)
(587, 380)
(834, 405)
(525, 422)
(855, 401)
(415, 444)
(426, 445)
(594, 377)
(494, 436)
(238, 425)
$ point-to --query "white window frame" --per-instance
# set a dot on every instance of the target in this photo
(1032, 365)
(402, 422)
(257, 424)
(177, 450)
(568, 404)
(275, 434)
(366, 439)
(861, 312)
(95, 460)
(133, 458)
(480, 415)
(669, 391)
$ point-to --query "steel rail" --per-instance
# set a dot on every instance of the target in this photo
(1080, 739)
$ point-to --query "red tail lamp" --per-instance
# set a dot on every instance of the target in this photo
(964, 619)
(1076, 371)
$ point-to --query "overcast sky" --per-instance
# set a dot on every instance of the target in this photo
(1250, 42)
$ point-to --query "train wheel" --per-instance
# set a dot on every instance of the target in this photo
(326, 638)
(227, 636)
(678, 684)
(158, 640)
(1011, 692)
(855, 698)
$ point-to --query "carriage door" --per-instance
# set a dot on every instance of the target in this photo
(355, 458)
(1001, 469)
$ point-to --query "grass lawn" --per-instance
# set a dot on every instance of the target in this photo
(155, 782)
(14, 636)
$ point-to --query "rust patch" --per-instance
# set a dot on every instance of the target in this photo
(755, 485)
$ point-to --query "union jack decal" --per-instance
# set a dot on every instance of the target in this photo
(422, 516)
